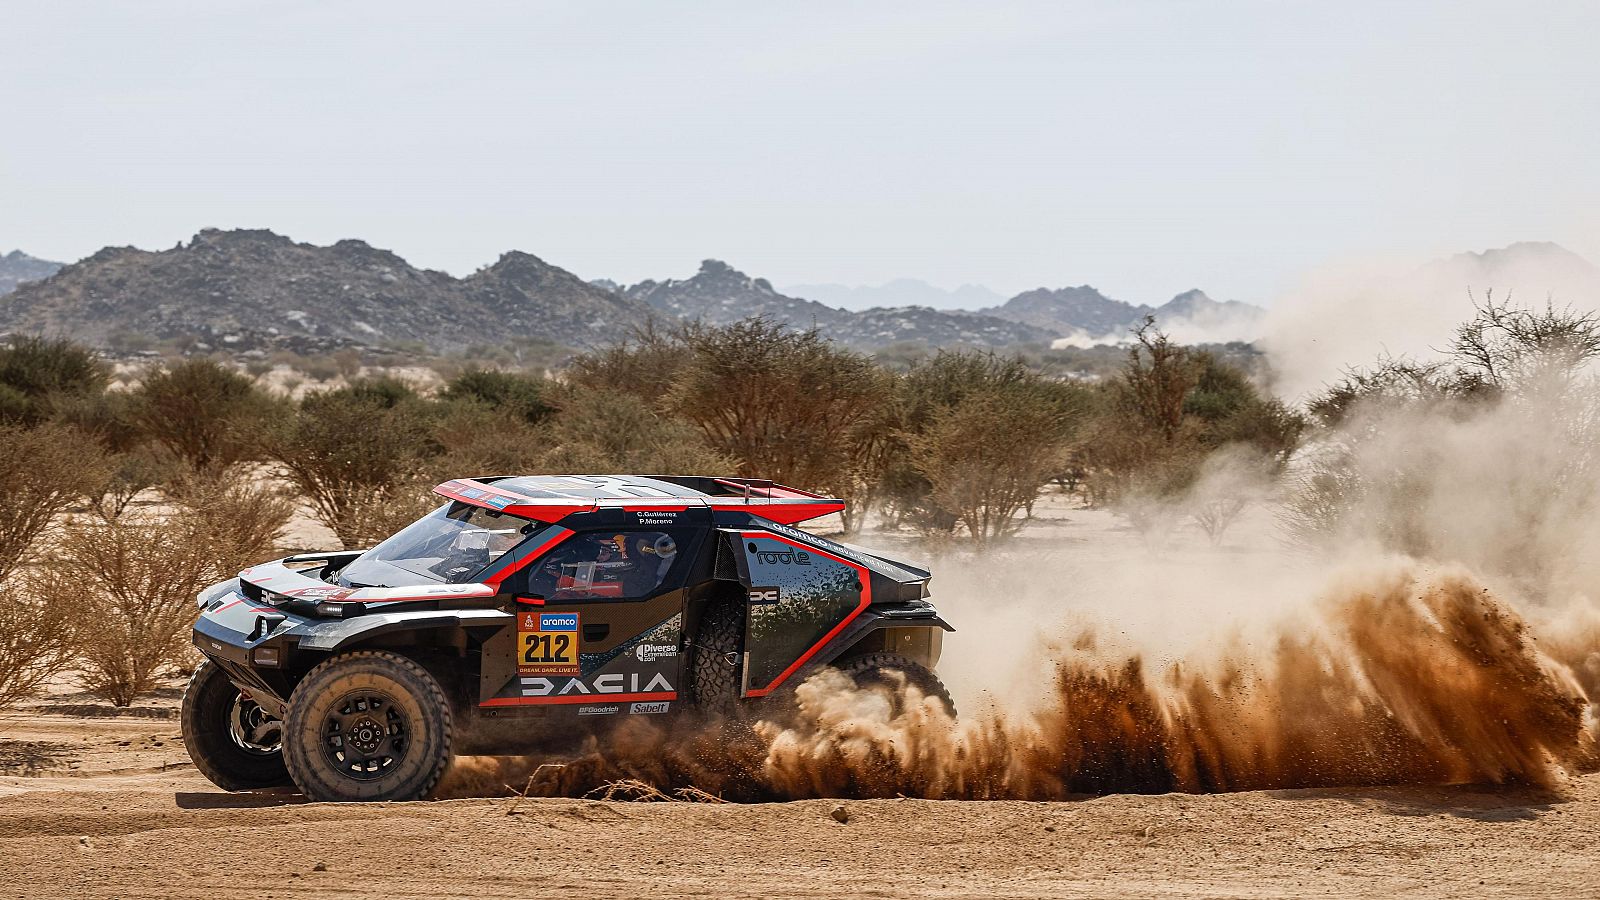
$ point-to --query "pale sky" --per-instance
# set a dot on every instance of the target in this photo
(1143, 147)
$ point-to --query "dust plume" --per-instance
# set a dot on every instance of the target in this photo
(1433, 620)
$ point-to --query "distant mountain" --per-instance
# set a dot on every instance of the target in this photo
(251, 289)
(1194, 318)
(900, 292)
(17, 267)
(1071, 310)
(719, 294)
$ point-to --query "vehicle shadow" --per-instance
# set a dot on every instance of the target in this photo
(1480, 802)
(242, 800)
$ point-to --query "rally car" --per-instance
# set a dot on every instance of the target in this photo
(529, 612)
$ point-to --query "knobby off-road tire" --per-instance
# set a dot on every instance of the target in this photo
(874, 670)
(232, 742)
(368, 725)
(716, 659)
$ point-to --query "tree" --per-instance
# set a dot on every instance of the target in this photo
(359, 456)
(38, 373)
(206, 414)
(43, 471)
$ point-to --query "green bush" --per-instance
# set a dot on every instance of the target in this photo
(206, 414)
(36, 373)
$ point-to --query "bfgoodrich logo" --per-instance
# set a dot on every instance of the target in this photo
(650, 708)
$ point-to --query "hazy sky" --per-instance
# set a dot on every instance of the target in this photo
(1142, 147)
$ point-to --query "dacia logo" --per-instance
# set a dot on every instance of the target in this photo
(784, 557)
(763, 595)
(615, 683)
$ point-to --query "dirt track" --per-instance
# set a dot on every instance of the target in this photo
(118, 825)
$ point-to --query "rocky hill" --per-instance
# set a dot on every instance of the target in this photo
(17, 267)
(256, 289)
(719, 294)
(899, 292)
(1084, 315)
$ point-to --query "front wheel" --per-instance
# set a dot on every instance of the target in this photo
(368, 725)
(232, 741)
(891, 672)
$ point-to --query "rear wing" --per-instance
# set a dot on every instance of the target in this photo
(759, 497)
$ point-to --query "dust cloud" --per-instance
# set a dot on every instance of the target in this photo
(1436, 619)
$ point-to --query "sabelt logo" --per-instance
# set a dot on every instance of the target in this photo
(651, 652)
(659, 706)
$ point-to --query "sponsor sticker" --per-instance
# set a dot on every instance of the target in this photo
(763, 596)
(547, 643)
(651, 652)
(598, 710)
(499, 502)
(659, 706)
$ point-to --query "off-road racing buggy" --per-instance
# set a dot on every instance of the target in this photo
(528, 613)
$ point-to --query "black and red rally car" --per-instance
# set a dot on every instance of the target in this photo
(529, 612)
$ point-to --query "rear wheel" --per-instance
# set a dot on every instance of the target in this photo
(888, 671)
(368, 725)
(232, 741)
(716, 658)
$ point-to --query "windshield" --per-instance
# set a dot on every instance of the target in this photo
(450, 544)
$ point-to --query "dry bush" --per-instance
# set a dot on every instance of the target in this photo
(241, 515)
(130, 474)
(986, 458)
(206, 413)
(43, 471)
(38, 374)
(134, 583)
(598, 431)
(357, 453)
(38, 636)
(789, 406)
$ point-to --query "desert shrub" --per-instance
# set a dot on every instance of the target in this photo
(790, 406)
(241, 514)
(355, 453)
(43, 471)
(1491, 454)
(521, 395)
(599, 431)
(36, 373)
(645, 365)
(131, 473)
(1158, 422)
(38, 636)
(207, 414)
(934, 484)
(986, 455)
(134, 583)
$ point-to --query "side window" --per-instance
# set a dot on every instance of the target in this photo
(608, 565)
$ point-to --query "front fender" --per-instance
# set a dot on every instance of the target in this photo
(340, 633)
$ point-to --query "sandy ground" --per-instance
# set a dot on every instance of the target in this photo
(95, 803)
(108, 805)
